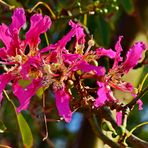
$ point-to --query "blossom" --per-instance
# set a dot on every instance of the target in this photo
(119, 68)
(14, 54)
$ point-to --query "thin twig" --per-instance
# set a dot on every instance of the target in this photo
(139, 96)
(97, 130)
(45, 119)
(135, 141)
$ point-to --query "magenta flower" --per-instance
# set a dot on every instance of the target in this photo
(68, 63)
(14, 54)
(120, 67)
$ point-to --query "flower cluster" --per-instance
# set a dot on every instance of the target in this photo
(56, 66)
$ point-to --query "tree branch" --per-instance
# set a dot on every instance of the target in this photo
(97, 130)
(135, 141)
(139, 96)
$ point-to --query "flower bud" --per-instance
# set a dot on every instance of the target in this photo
(91, 42)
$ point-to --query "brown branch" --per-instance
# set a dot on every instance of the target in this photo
(135, 141)
(139, 96)
(97, 130)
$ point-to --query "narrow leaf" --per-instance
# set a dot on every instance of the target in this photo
(128, 6)
(23, 125)
(25, 131)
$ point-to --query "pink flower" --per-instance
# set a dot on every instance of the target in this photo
(121, 67)
(14, 54)
(113, 78)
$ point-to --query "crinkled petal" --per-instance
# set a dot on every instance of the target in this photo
(85, 67)
(140, 104)
(24, 94)
(71, 58)
(18, 20)
(3, 53)
(4, 80)
(48, 48)
(102, 95)
(103, 52)
(80, 35)
(119, 118)
(39, 25)
(62, 103)
(4, 36)
(10, 35)
(118, 49)
(133, 56)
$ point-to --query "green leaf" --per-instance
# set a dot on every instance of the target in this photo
(25, 131)
(101, 30)
(2, 127)
(128, 6)
(23, 125)
(40, 92)
(24, 83)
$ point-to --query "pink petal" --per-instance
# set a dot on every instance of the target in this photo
(76, 30)
(62, 103)
(102, 95)
(140, 104)
(118, 49)
(4, 36)
(18, 20)
(39, 25)
(4, 80)
(24, 95)
(85, 67)
(119, 118)
(103, 52)
(80, 35)
(71, 58)
(133, 56)
(3, 53)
